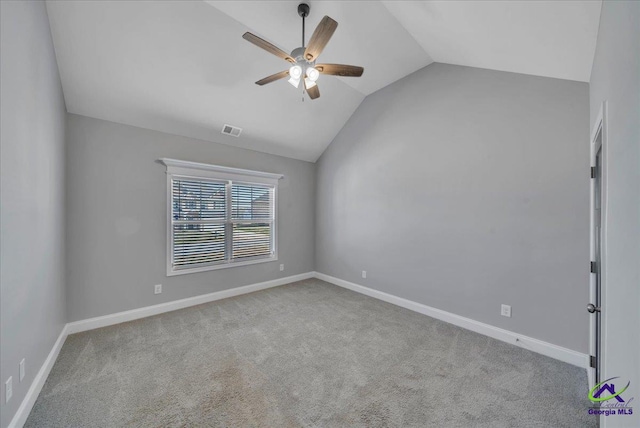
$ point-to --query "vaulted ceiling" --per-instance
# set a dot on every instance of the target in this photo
(183, 67)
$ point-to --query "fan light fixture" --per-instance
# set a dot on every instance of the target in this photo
(295, 72)
(313, 74)
(308, 83)
(303, 59)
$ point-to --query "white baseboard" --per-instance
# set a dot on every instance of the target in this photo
(29, 400)
(550, 350)
(147, 311)
(591, 377)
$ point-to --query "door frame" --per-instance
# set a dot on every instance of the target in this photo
(600, 125)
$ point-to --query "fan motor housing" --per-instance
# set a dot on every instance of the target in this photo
(298, 55)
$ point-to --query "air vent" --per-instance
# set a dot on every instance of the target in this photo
(234, 131)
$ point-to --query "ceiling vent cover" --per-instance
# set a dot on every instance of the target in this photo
(234, 131)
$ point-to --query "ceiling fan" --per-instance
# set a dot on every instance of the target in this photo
(304, 58)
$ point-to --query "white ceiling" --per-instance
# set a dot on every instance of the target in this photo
(183, 67)
(544, 38)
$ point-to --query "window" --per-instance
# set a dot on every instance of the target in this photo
(219, 217)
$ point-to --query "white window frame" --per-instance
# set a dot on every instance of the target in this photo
(200, 171)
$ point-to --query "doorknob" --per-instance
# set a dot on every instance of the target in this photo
(591, 308)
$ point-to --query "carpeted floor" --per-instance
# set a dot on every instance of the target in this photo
(306, 354)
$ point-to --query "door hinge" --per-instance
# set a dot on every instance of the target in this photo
(594, 267)
(592, 361)
(593, 172)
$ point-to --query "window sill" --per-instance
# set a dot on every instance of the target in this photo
(171, 272)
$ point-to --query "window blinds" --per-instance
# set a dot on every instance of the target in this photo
(252, 217)
(220, 222)
(199, 215)
(219, 216)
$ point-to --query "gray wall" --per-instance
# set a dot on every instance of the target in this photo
(462, 189)
(615, 78)
(32, 145)
(117, 213)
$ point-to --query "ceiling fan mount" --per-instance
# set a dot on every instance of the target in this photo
(303, 59)
(303, 10)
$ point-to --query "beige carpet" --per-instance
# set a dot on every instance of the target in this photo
(306, 354)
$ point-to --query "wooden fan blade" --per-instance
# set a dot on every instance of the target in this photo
(273, 78)
(313, 92)
(340, 70)
(262, 43)
(320, 38)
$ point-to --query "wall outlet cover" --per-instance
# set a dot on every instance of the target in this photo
(505, 311)
(157, 289)
(8, 389)
(281, 268)
(364, 273)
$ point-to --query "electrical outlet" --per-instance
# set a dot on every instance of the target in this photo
(505, 311)
(8, 389)
(157, 289)
(281, 268)
(364, 273)
(22, 363)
